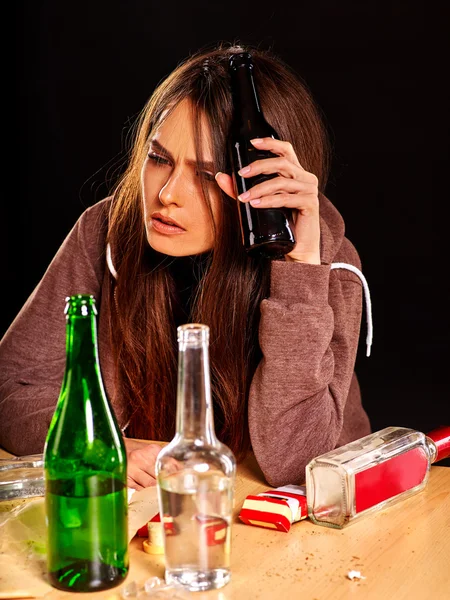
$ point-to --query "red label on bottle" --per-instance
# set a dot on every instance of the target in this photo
(390, 478)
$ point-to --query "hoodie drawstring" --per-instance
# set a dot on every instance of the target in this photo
(353, 269)
(337, 265)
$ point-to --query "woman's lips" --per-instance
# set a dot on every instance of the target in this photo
(168, 229)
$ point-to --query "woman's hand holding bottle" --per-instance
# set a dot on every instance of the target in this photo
(294, 188)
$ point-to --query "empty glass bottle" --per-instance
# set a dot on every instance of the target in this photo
(85, 469)
(371, 473)
(195, 477)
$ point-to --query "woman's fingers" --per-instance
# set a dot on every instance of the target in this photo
(279, 165)
(144, 458)
(306, 204)
(225, 183)
(139, 479)
(279, 147)
(133, 484)
(285, 165)
(291, 187)
(141, 464)
(278, 185)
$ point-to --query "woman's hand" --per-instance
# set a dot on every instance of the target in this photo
(141, 463)
(294, 188)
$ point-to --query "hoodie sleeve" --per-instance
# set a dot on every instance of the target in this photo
(32, 351)
(308, 334)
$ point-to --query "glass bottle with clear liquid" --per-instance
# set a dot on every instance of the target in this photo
(195, 477)
(85, 467)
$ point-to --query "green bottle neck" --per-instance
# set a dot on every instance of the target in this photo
(81, 342)
(194, 408)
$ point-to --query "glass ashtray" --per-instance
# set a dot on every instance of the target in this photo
(22, 477)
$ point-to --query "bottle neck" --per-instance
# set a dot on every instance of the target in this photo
(81, 342)
(438, 441)
(194, 409)
(245, 97)
(432, 448)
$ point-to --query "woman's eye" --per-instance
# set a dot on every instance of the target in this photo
(159, 160)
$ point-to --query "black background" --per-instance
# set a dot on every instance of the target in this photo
(84, 70)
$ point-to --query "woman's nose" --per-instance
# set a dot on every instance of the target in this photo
(172, 191)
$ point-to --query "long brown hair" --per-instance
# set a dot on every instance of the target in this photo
(231, 286)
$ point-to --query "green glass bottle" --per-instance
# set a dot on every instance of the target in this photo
(85, 469)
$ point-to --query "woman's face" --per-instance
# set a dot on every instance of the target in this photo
(177, 220)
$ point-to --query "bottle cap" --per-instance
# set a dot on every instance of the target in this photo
(241, 59)
(80, 305)
(441, 439)
(193, 334)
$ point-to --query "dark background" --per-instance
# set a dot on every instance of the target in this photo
(84, 70)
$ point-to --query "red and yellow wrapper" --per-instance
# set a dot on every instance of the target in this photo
(169, 525)
(275, 509)
(143, 531)
(214, 529)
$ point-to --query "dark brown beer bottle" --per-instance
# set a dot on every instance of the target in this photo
(266, 232)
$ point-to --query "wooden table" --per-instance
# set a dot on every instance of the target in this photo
(403, 552)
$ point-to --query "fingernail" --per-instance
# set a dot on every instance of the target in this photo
(217, 174)
(255, 202)
(244, 170)
(257, 141)
(244, 196)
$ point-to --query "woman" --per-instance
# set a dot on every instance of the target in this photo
(165, 249)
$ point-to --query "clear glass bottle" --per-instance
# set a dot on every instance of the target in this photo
(85, 469)
(369, 474)
(195, 477)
